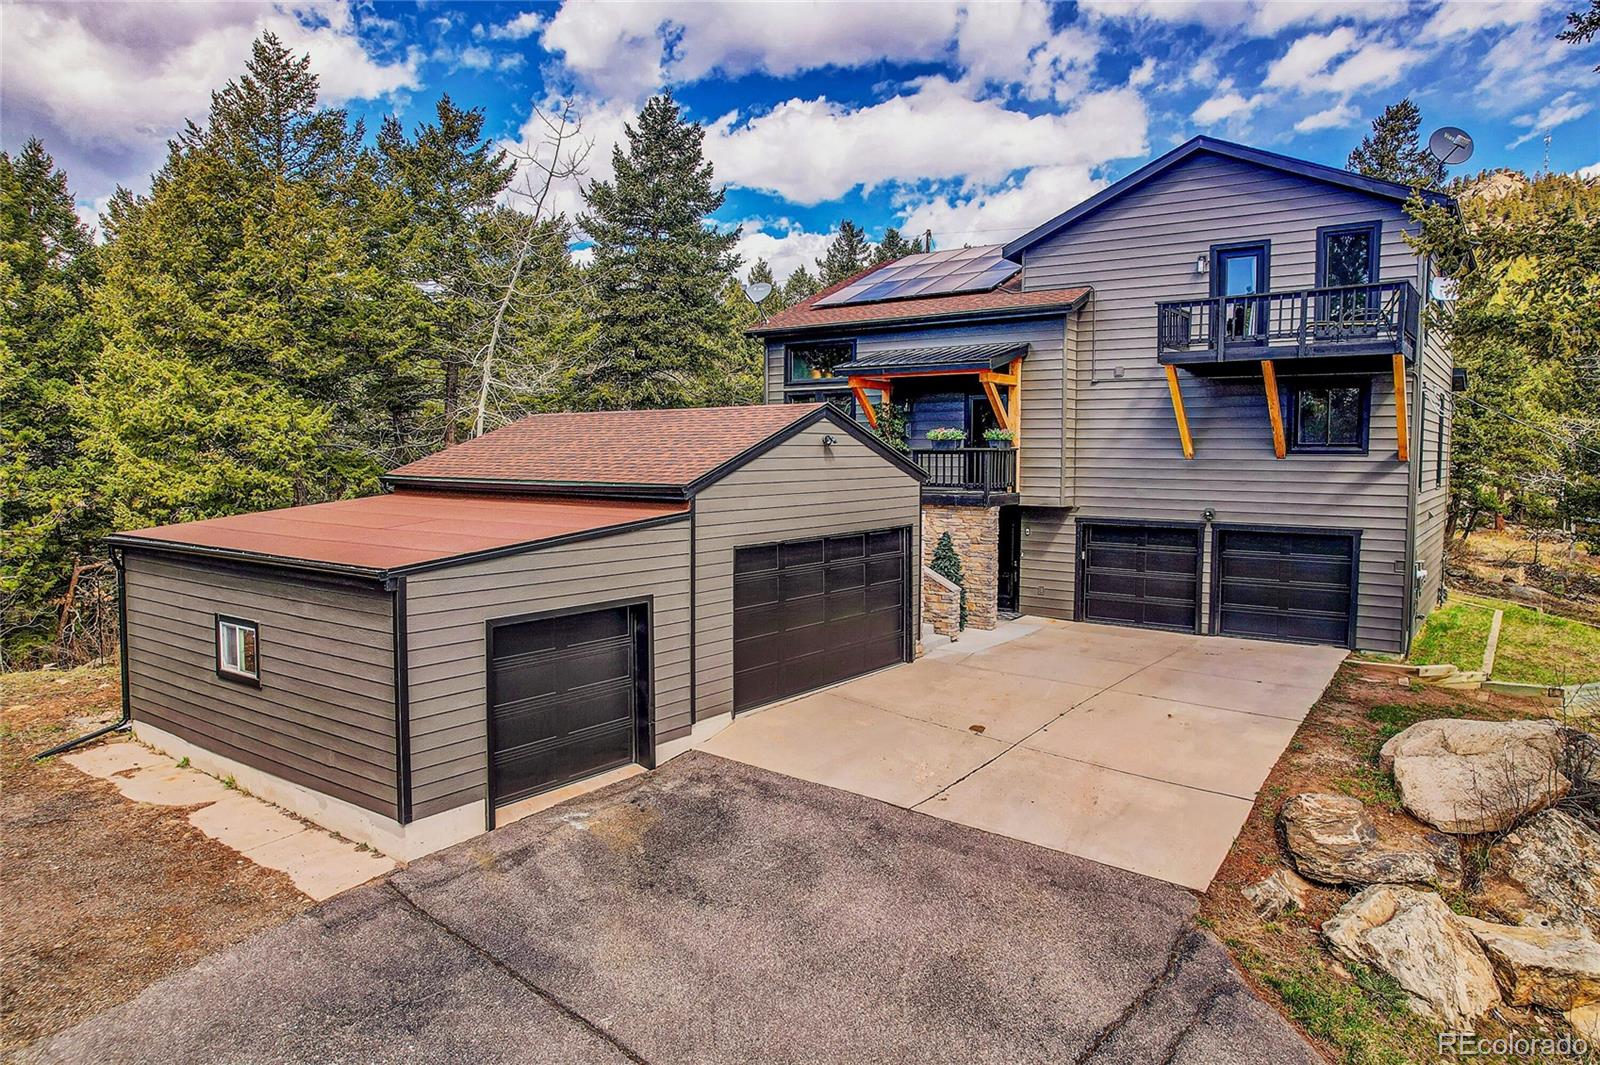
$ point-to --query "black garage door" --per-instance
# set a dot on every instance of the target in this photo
(565, 698)
(1285, 585)
(1146, 575)
(813, 612)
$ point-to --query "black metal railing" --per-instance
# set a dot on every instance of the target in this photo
(968, 469)
(1349, 319)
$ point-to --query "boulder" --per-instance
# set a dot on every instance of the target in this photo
(1556, 966)
(1547, 867)
(1333, 839)
(1277, 893)
(1466, 776)
(1415, 938)
(1585, 1020)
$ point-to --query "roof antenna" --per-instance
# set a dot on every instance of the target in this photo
(1547, 153)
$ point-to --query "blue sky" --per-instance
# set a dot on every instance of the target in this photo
(973, 120)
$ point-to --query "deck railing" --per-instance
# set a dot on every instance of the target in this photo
(989, 470)
(1380, 318)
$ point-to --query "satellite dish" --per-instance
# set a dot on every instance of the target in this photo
(1450, 145)
(757, 292)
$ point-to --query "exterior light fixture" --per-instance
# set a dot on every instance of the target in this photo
(829, 440)
(1202, 263)
(1208, 515)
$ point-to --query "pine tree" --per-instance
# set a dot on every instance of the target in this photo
(665, 337)
(847, 254)
(800, 285)
(761, 274)
(894, 246)
(1393, 150)
(947, 564)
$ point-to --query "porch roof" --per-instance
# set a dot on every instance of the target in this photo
(943, 358)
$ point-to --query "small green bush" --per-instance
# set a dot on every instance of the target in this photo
(947, 564)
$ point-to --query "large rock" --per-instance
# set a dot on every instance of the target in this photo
(1556, 966)
(1547, 867)
(1468, 776)
(1333, 839)
(1585, 1020)
(1277, 893)
(1415, 938)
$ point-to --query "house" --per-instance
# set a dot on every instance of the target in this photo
(566, 595)
(1228, 411)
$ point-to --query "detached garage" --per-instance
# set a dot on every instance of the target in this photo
(567, 595)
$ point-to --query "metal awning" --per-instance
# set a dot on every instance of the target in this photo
(944, 358)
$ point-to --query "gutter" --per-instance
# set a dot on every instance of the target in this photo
(122, 664)
(582, 489)
(1036, 310)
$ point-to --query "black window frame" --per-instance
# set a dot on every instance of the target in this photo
(836, 396)
(1264, 247)
(1292, 392)
(1374, 265)
(1438, 449)
(788, 361)
(233, 676)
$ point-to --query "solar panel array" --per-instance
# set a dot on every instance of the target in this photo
(934, 273)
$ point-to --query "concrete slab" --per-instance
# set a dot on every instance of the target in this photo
(1290, 702)
(105, 759)
(533, 804)
(320, 865)
(169, 786)
(1055, 663)
(972, 641)
(1274, 663)
(1205, 747)
(1163, 830)
(1139, 646)
(244, 823)
(846, 744)
(1002, 706)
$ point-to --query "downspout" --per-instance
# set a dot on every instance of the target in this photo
(402, 704)
(122, 661)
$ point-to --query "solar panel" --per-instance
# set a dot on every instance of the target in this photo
(934, 273)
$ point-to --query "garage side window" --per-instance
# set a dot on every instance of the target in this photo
(238, 650)
(1328, 417)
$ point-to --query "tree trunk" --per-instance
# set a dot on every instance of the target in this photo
(452, 399)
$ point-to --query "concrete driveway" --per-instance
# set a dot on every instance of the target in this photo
(712, 912)
(1140, 749)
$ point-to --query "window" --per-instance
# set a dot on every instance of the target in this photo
(1328, 417)
(238, 653)
(818, 362)
(1348, 255)
(845, 402)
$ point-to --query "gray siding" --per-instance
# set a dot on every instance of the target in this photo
(1432, 500)
(796, 490)
(1141, 249)
(446, 612)
(324, 714)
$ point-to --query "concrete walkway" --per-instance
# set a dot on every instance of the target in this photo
(320, 864)
(1140, 749)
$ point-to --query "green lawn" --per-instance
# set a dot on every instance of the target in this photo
(1534, 648)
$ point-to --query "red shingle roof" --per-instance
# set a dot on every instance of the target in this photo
(1007, 296)
(653, 448)
(381, 533)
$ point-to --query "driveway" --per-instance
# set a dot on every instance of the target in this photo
(1137, 748)
(714, 912)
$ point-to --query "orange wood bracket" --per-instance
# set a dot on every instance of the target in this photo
(1177, 410)
(1008, 412)
(1402, 435)
(1269, 377)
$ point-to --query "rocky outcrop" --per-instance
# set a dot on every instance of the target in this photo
(1556, 966)
(1415, 938)
(1547, 867)
(1467, 776)
(1277, 893)
(1333, 839)
(1585, 1020)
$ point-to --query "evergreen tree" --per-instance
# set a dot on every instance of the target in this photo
(894, 246)
(1582, 26)
(761, 274)
(847, 254)
(665, 337)
(1393, 150)
(947, 564)
(47, 340)
(800, 285)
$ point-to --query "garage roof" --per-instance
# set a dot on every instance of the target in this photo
(380, 536)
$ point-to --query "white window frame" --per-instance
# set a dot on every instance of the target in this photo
(233, 636)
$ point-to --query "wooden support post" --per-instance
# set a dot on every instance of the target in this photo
(1269, 378)
(858, 387)
(1403, 435)
(1177, 410)
(1001, 415)
(1015, 406)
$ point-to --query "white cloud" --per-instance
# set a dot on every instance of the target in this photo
(993, 217)
(1226, 104)
(1339, 62)
(475, 58)
(519, 28)
(1258, 18)
(1456, 17)
(1308, 57)
(1008, 44)
(1338, 116)
(1144, 73)
(783, 244)
(1524, 65)
(1371, 65)
(1563, 109)
(935, 133)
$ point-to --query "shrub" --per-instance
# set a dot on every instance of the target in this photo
(947, 564)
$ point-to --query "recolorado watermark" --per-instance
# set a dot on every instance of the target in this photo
(1468, 1045)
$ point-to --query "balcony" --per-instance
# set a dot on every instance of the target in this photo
(1336, 325)
(969, 474)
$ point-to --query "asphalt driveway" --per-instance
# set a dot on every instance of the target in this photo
(715, 912)
(1133, 747)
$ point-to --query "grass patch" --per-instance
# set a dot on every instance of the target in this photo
(1534, 648)
(1365, 1022)
(1455, 634)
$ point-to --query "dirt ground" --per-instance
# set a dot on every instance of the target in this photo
(1558, 576)
(1358, 1017)
(99, 896)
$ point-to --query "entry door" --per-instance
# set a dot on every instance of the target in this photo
(566, 697)
(1145, 575)
(1241, 272)
(807, 613)
(1281, 585)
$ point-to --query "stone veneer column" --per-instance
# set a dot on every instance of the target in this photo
(975, 532)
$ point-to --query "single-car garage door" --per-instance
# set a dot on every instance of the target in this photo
(1147, 575)
(566, 695)
(813, 612)
(1285, 585)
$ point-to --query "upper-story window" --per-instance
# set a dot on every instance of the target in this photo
(815, 363)
(1348, 255)
(1328, 416)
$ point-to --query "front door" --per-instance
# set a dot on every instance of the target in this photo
(1240, 272)
(1007, 596)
